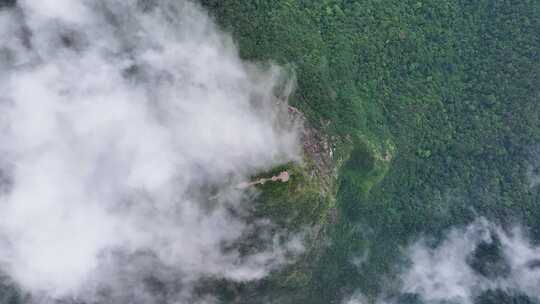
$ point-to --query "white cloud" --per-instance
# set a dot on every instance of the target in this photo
(443, 273)
(117, 128)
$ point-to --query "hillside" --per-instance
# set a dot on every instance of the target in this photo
(439, 100)
(269, 151)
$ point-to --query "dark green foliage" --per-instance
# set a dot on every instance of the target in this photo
(502, 297)
(488, 259)
(9, 293)
(7, 3)
(293, 204)
(454, 85)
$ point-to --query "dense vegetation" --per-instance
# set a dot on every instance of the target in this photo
(445, 91)
(436, 104)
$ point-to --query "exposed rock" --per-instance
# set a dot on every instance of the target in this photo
(318, 149)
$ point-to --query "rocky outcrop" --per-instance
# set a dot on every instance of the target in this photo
(318, 151)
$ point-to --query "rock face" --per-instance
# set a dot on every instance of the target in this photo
(318, 150)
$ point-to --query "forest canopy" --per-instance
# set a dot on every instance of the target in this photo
(453, 85)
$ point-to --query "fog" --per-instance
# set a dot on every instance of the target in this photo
(124, 126)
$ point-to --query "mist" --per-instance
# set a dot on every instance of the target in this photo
(473, 260)
(479, 263)
(124, 126)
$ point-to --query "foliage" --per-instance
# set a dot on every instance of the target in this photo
(296, 203)
(452, 85)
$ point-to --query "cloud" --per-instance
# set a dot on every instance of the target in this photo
(123, 126)
(479, 263)
(356, 298)
(473, 260)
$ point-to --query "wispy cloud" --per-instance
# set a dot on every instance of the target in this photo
(468, 264)
(123, 126)
(473, 260)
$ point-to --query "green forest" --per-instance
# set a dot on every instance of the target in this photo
(422, 118)
(448, 89)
